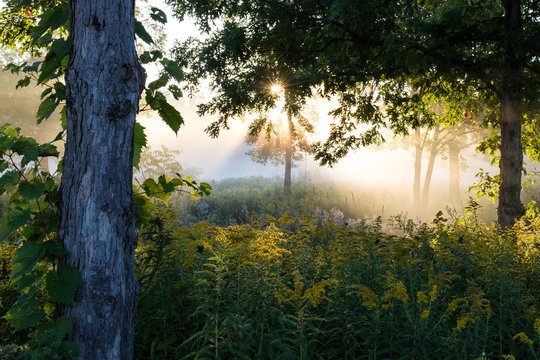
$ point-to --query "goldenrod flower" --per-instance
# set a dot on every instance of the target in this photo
(421, 297)
(433, 294)
(523, 338)
(425, 314)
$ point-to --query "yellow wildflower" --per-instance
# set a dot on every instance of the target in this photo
(421, 297)
(315, 293)
(508, 357)
(425, 314)
(453, 305)
(462, 322)
(369, 298)
(433, 293)
(396, 289)
(537, 325)
(523, 338)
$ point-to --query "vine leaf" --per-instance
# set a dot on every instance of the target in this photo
(25, 258)
(62, 284)
(139, 141)
(31, 190)
(24, 314)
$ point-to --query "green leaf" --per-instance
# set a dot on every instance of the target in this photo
(160, 82)
(139, 141)
(142, 33)
(24, 314)
(60, 90)
(70, 349)
(166, 184)
(14, 69)
(46, 108)
(16, 218)
(25, 258)
(205, 188)
(49, 67)
(8, 180)
(63, 118)
(158, 15)
(62, 284)
(149, 56)
(155, 99)
(61, 47)
(59, 16)
(46, 92)
(171, 116)
(173, 69)
(63, 327)
(31, 282)
(31, 68)
(54, 249)
(31, 190)
(160, 190)
(23, 82)
(175, 91)
(26, 146)
(144, 210)
(150, 186)
(145, 57)
(46, 150)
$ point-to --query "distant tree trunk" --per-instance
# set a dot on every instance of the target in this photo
(427, 180)
(511, 163)
(453, 166)
(418, 150)
(104, 80)
(288, 155)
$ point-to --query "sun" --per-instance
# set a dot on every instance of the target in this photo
(277, 89)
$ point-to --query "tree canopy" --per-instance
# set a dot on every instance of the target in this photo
(372, 54)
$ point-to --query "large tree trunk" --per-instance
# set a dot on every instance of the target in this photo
(453, 166)
(418, 150)
(429, 172)
(288, 155)
(511, 162)
(104, 81)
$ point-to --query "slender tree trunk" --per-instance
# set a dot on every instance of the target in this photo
(104, 81)
(453, 166)
(418, 150)
(288, 156)
(429, 172)
(511, 163)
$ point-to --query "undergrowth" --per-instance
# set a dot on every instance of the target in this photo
(303, 288)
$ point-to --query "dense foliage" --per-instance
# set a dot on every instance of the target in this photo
(304, 288)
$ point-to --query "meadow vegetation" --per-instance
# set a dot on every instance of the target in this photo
(306, 288)
(319, 285)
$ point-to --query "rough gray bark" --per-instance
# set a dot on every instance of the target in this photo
(104, 81)
(511, 163)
